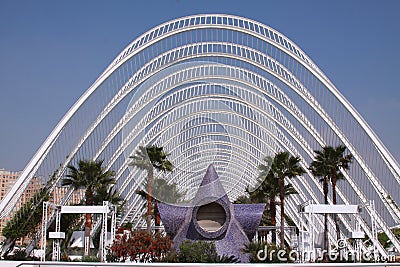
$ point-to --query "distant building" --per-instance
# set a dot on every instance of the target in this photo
(7, 180)
(60, 191)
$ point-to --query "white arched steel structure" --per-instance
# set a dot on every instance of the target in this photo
(225, 90)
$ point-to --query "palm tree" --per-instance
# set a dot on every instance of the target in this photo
(162, 191)
(319, 170)
(329, 164)
(283, 165)
(91, 176)
(150, 158)
(267, 192)
(271, 189)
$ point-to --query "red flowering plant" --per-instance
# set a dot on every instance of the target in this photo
(141, 246)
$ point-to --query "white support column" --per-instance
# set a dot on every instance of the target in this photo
(56, 242)
(373, 228)
(103, 235)
(301, 245)
(113, 223)
(312, 236)
(44, 230)
(358, 245)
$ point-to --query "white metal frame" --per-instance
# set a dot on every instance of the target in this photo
(57, 210)
(309, 210)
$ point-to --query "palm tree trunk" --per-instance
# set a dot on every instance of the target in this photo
(334, 180)
(334, 203)
(157, 217)
(272, 210)
(149, 197)
(326, 189)
(282, 199)
(88, 226)
(88, 222)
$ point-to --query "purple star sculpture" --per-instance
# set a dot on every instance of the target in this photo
(211, 216)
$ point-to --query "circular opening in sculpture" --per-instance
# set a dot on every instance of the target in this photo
(211, 217)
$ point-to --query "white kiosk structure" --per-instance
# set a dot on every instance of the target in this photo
(57, 235)
(308, 231)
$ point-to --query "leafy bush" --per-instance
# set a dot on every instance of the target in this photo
(198, 251)
(110, 256)
(90, 259)
(19, 255)
(202, 252)
(27, 219)
(140, 246)
(171, 256)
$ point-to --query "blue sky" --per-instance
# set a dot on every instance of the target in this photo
(51, 52)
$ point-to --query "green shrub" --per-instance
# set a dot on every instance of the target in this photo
(198, 251)
(19, 255)
(202, 252)
(111, 257)
(90, 259)
(171, 257)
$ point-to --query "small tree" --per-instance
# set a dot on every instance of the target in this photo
(26, 220)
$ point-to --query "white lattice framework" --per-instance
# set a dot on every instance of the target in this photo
(225, 90)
